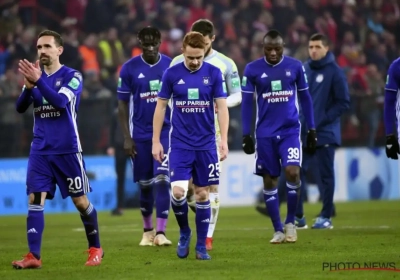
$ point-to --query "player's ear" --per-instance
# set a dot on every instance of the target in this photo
(60, 50)
(213, 38)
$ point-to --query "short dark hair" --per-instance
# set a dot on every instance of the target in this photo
(195, 40)
(320, 37)
(149, 31)
(57, 37)
(203, 26)
(273, 34)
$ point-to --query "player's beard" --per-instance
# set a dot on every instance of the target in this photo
(45, 61)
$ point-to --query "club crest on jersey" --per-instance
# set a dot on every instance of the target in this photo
(288, 73)
(58, 82)
(319, 78)
(206, 80)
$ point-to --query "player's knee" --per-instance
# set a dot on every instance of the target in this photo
(179, 189)
(146, 185)
(37, 198)
(270, 182)
(81, 202)
(292, 173)
(202, 193)
(213, 188)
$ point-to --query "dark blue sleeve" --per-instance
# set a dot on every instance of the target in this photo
(341, 99)
(24, 100)
(391, 89)
(307, 107)
(305, 97)
(219, 87)
(248, 88)
(166, 86)
(71, 87)
(124, 82)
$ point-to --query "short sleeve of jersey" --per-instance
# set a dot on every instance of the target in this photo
(123, 90)
(232, 79)
(219, 85)
(72, 85)
(248, 84)
(392, 78)
(166, 86)
(301, 79)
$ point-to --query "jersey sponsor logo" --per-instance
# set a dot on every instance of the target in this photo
(276, 85)
(206, 80)
(46, 110)
(195, 106)
(193, 93)
(387, 79)
(154, 85)
(74, 83)
(244, 81)
(235, 82)
(119, 82)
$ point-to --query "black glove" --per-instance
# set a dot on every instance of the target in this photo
(392, 147)
(248, 145)
(311, 141)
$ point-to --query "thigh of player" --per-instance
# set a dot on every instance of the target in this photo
(70, 173)
(162, 168)
(206, 168)
(290, 150)
(142, 163)
(180, 162)
(267, 158)
(39, 177)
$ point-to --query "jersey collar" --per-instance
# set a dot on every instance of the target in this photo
(274, 65)
(184, 64)
(151, 65)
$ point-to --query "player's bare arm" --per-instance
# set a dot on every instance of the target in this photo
(123, 114)
(158, 120)
(223, 121)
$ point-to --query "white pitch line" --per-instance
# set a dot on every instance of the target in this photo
(134, 228)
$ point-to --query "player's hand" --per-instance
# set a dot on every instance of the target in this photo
(130, 147)
(223, 150)
(248, 145)
(28, 84)
(311, 141)
(392, 147)
(30, 71)
(158, 152)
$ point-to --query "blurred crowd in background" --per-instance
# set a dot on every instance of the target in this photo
(100, 35)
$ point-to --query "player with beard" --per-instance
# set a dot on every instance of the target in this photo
(232, 83)
(56, 154)
(138, 87)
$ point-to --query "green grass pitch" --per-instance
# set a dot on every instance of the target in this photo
(363, 232)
